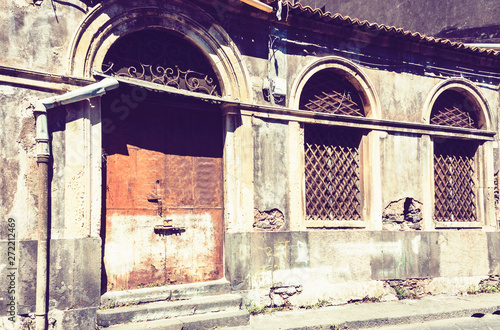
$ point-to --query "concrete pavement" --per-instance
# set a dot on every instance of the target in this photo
(486, 322)
(374, 315)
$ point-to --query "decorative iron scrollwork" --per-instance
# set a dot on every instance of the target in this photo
(161, 58)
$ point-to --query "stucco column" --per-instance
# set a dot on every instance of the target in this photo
(428, 182)
(372, 180)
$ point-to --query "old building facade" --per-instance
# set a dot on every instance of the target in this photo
(292, 154)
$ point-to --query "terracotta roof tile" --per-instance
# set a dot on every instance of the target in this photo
(392, 31)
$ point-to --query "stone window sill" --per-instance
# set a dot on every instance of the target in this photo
(456, 224)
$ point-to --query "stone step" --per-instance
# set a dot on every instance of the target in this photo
(168, 309)
(171, 292)
(193, 322)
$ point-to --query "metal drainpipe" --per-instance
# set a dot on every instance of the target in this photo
(43, 160)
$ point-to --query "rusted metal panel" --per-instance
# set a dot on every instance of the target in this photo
(198, 251)
(208, 182)
(164, 164)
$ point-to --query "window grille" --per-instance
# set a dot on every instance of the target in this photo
(332, 173)
(454, 175)
(455, 198)
(495, 190)
(329, 92)
(162, 58)
(453, 109)
(497, 198)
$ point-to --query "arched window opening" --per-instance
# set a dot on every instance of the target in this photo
(454, 109)
(330, 92)
(163, 58)
(332, 154)
(454, 160)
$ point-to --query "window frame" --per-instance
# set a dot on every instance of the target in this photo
(337, 222)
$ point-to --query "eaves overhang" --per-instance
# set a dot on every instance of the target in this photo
(315, 14)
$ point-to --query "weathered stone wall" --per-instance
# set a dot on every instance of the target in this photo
(38, 37)
(271, 257)
(18, 166)
(343, 265)
(270, 169)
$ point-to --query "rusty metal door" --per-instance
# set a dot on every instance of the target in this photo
(163, 194)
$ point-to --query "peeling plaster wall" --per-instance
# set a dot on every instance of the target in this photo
(18, 179)
(37, 37)
(270, 165)
(402, 172)
(357, 263)
(262, 157)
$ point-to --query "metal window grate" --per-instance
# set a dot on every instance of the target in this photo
(455, 198)
(331, 93)
(332, 173)
(496, 192)
(162, 58)
(453, 109)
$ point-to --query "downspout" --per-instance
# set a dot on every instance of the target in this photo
(43, 160)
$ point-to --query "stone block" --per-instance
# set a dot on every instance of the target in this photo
(493, 240)
(27, 276)
(75, 273)
(82, 318)
(238, 260)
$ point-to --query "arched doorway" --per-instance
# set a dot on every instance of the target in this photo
(163, 183)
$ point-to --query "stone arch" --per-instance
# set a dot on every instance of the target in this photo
(111, 20)
(346, 69)
(471, 93)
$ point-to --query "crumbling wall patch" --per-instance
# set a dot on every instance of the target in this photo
(403, 214)
(279, 295)
(272, 220)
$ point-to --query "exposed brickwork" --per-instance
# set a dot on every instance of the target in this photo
(404, 214)
(279, 296)
(412, 288)
(272, 220)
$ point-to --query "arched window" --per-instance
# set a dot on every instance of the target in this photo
(330, 92)
(455, 172)
(332, 153)
(454, 109)
(161, 57)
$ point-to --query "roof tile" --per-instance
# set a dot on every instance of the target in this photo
(392, 31)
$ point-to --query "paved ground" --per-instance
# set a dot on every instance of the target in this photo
(487, 322)
(404, 314)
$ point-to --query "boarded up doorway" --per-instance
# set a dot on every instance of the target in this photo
(163, 161)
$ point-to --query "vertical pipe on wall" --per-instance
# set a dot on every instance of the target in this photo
(43, 160)
(42, 251)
